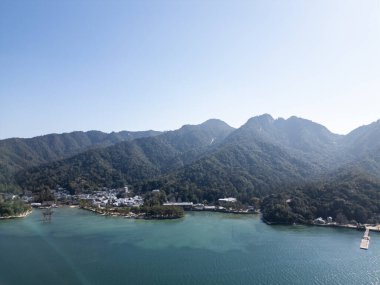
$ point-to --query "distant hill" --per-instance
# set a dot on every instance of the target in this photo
(361, 148)
(17, 153)
(128, 162)
(258, 158)
(301, 138)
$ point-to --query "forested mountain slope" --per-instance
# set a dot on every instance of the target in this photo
(346, 195)
(18, 153)
(128, 162)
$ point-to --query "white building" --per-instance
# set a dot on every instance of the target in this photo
(230, 200)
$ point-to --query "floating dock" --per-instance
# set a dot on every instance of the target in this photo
(364, 244)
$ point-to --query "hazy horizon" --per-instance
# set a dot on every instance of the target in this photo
(197, 123)
(138, 65)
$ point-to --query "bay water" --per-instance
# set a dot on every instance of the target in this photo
(79, 247)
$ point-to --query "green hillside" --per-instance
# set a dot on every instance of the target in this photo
(272, 160)
(17, 154)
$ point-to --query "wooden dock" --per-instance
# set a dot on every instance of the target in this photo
(364, 244)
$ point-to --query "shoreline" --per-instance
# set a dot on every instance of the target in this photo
(143, 216)
(131, 215)
(344, 226)
(353, 227)
(226, 212)
(114, 214)
(22, 215)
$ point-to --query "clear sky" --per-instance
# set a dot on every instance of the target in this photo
(137, 65)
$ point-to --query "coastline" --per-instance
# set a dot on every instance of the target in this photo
(114, 214)
(227, 211)
(143, 216)
(22, 215)
(349, 226)
(332, 225)
(131, 215)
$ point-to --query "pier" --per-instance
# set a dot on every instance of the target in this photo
(364, 244)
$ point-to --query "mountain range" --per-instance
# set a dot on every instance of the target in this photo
(17, 154)
(266, 158)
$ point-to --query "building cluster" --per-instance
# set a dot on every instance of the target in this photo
(102, 199)
(203, 207)
(120, 197)
(227, 203)
(320, 221)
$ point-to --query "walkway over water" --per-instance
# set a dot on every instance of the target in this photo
(364, 244)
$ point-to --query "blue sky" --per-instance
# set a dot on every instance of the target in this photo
(137, 65)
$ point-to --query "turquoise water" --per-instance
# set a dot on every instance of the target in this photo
(78, 247)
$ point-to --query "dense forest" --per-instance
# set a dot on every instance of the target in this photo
(349, 197)
(130, 162)
(154, 209)
(13, 207)
(17, 154)
(272, 161)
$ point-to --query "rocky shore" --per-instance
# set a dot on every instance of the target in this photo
(22, 215)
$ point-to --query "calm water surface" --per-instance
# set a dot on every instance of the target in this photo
(78, 247)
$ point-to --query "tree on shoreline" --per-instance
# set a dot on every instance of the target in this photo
(13, 207)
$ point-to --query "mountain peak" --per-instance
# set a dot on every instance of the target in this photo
(301, 122)
(216, 123)
(265, 117)
(262, 119)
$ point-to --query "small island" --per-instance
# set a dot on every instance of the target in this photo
(13, 207)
